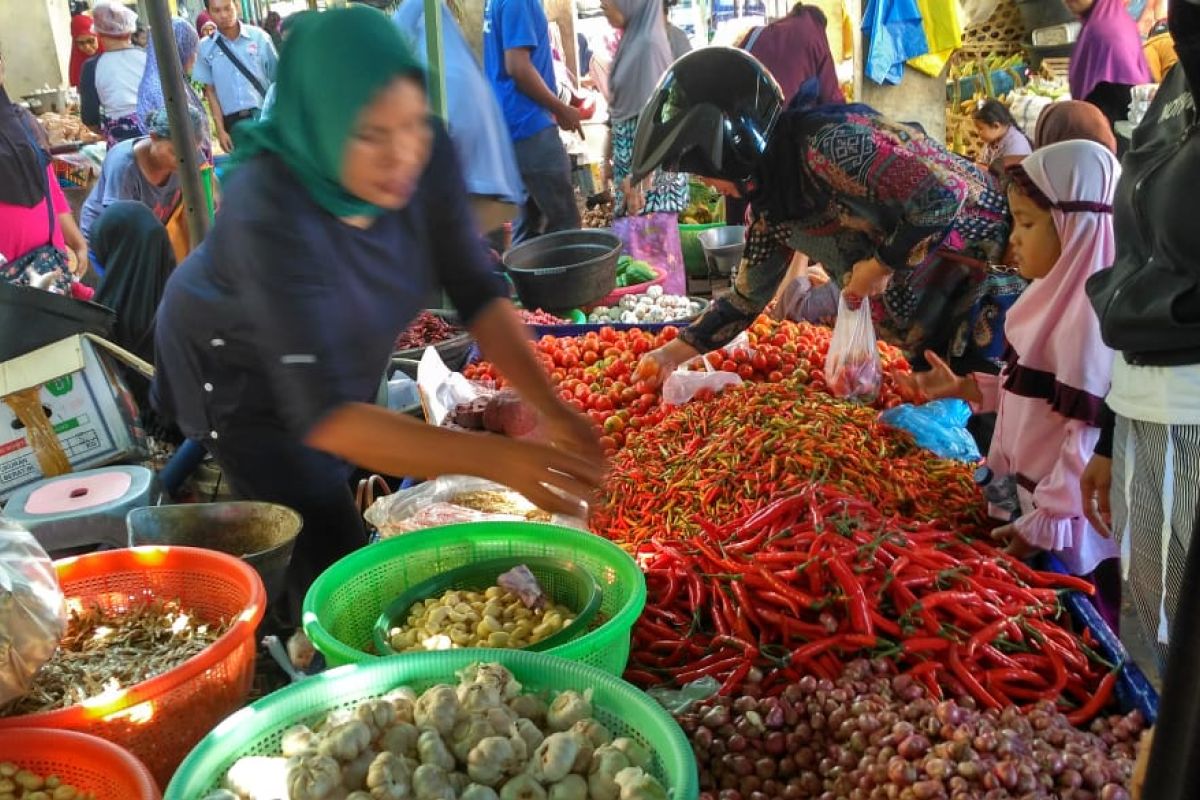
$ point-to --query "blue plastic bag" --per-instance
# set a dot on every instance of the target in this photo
(895, 33)
(940, 427)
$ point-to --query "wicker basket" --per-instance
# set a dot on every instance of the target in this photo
(1000, 35)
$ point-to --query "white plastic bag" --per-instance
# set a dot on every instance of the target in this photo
(431, 504)
(684, 383)
(852, 367)
(32, 614)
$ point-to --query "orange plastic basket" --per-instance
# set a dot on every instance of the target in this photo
(162, 719)
(85, 762)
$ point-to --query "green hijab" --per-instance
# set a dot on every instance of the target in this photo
(333, 63)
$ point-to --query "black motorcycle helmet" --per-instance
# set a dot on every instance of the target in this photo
(711, 115)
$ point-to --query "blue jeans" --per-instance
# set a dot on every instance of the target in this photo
(546, 171)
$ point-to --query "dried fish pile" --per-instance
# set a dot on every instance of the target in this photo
(105, 651)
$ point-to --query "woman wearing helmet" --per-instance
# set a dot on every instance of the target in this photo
(889, 211)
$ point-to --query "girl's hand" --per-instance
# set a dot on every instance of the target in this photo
(1015, 546)
(1095, 486)
(940, 382)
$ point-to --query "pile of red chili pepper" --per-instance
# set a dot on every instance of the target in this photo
(817, 578)
(730, 454)
(428, 328)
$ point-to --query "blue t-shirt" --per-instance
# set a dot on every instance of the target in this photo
(509, 24)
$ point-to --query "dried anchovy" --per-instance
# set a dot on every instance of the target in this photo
(104, 651)
(500, 502)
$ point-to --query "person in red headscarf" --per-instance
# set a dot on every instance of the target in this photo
(84, 45)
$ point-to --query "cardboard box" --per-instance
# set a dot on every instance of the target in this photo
(88, 417)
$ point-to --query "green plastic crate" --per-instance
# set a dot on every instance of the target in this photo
(342, 605)
(258, 729)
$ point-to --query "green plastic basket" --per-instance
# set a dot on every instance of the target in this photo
(565, 583)
(693, 253)
(342, 605)
(258, 729)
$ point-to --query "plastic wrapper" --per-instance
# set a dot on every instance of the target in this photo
(680, 701)
(524, 584)
(806, 299)
(852, 367)
(940, 427)
(685, 383)
(431, 504)
(32, 614)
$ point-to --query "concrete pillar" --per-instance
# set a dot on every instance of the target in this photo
(917, 98)
(35, 37)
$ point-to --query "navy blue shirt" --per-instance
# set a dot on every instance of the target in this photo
(285, 312)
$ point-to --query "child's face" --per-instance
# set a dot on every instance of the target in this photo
(990, 132)
(1034, 239)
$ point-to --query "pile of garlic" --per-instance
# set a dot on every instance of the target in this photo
(653, 306)
(481, 740)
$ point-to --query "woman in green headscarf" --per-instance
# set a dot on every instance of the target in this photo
(346, 212)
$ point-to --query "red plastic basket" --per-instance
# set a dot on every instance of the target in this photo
(86, 762)
(161, 719)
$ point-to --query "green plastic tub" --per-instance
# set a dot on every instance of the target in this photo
(693, 254)
(342, 605)
(258, 729)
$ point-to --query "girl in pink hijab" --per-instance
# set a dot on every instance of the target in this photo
(1048, 397)
(1108, 59)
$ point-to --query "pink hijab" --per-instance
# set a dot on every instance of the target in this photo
(1109, 49)
(1055, 350)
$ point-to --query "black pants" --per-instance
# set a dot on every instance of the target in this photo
(231, 121)
(271, 466)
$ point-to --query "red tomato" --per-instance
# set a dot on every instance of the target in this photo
(602, 403)
(608, 443)
(775, 377)
(590, 357)
(759, 362)
(745, 371)
(729, 366)
(576, 404)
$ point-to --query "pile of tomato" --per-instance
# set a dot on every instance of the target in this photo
(595, 373)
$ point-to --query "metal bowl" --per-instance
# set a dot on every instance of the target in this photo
(723, 247)
(564, 270)
(261, 534)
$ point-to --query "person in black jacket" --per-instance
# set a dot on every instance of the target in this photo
(1144, 481)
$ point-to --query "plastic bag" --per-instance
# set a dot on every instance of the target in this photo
(802, 301)
(654, 238)
(680, 701)
(940, 427)
(852, 367)
(32, 614)
(430, 504)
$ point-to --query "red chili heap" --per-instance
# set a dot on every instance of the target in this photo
(727, 456)
(818, 578)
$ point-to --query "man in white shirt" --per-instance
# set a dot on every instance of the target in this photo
(237, 66)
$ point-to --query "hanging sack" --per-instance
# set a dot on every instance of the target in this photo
(852, 367)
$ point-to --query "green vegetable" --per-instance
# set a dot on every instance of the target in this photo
(577, 316)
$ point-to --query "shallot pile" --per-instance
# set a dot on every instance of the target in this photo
(540, 317)
(874, 735)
